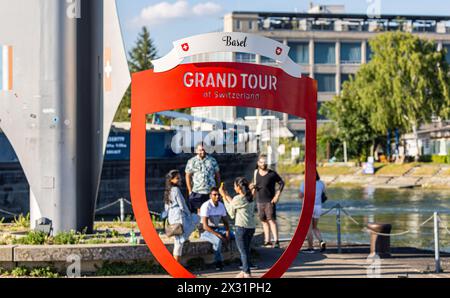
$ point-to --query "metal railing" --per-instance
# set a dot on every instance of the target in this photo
(437, 221)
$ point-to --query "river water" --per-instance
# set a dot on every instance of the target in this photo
(404, 209)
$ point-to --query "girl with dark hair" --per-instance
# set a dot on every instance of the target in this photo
(178, 211)
(242, 209)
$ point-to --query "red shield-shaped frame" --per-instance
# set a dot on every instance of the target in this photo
(157, 92)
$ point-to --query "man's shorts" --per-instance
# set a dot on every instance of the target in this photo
(267, 211)
(196, 201)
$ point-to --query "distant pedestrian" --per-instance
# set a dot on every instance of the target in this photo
(202, 174)
(177, 211)
(242, 209)
(213, 213)
(314, 227)
(267, 195)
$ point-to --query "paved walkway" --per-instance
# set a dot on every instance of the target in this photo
(352, 263)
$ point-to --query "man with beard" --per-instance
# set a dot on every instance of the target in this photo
(267, 195)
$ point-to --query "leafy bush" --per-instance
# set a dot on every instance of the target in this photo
(440, 159)
(45, 272)
(21, 271)
(435, 158)
(66, 238)
(22, 221)
(32, 238)
(137, 267)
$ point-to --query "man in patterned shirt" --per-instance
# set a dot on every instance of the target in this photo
(202, 174)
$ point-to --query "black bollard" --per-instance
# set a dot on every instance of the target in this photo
(380, 244)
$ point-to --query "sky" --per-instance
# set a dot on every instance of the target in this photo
(170, 20)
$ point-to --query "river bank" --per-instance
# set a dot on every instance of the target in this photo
(397, 176)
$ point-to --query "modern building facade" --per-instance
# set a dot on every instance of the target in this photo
(329, 44)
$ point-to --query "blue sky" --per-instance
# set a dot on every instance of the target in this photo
(169, 20)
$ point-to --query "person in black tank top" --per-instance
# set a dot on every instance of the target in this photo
(267, 187)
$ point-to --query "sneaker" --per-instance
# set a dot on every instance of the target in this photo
(219, 266)
(253, 267)
(277, 244)
(267, 244)
(323, 246)
(309, 251)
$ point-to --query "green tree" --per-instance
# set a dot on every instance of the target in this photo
(140, 59)
(404, 85)
(351, 123)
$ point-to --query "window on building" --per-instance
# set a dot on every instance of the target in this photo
(325, 53)
(350, 53)
(345, 77)
(238, 25)
(319, 115)
(447, 57)
(245, 58)
(250, 25)
(242, 112)
(326, 82)
(266, 60)
(272, 113)
(369, 53)
(299, 52)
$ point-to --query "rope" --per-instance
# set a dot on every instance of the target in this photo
(444, 225)
(329, 210)
(7, 212)
(107, 206)
(351, 218)
(398, 234)
(151, 212)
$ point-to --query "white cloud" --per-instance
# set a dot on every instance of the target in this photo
(165, 11)
(207, 8)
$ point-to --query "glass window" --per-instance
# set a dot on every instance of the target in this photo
(325, 53)
(299, 52)
(447, 57)
(369, 53)
(326, 82)
(242, 112)
(272, 113)
(245, 57)
(345, 77)
(320, 116)
(351, 53)
(266, 60)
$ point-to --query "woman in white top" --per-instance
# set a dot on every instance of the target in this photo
(314, 228)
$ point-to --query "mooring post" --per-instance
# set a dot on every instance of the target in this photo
(122, 209)
(437, 258)
(338, 226)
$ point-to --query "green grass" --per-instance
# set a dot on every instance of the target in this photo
(423, 171)
(395, 169)
(336, 171)
(291, 168)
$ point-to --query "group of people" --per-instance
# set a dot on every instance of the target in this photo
(209, 206)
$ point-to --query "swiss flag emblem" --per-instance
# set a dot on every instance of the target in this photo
(279, 51)
(185, 47)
